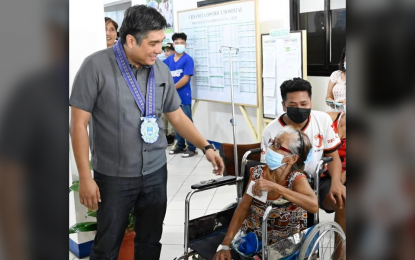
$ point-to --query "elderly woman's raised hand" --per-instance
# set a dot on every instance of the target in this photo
(263, 185)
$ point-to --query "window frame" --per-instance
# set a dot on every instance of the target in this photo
(328, 66)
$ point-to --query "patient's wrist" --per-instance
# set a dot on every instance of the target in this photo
(277, 188)
(226, 242)
(336, 180)
(223, 247)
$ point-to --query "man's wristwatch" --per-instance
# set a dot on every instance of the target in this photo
(223, 247)
(207, 147)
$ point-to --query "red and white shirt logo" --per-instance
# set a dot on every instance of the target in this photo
(318, 140)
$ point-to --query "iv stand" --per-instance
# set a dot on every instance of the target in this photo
(233, 120)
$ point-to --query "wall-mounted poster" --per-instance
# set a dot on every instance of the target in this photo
(207, 29)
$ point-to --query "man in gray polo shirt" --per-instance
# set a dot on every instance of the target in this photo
(129, 163)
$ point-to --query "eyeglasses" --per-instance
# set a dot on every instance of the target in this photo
(278, 146)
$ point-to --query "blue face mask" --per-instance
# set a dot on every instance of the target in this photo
(274, 159)
(344, 64)
(309, 156)
(179, 48)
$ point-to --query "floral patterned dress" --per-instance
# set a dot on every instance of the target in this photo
(282, 222)
(339, 89)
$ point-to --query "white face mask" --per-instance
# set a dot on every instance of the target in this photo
(179, 48)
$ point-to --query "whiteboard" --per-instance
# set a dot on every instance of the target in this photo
(282, 60)
(208, 29)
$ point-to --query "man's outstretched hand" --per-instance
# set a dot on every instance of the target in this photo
(216, 161)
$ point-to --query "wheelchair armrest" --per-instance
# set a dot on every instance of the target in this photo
(255, 151)
(280, 202)
(320, 165)
(327, 159)
(214, 183)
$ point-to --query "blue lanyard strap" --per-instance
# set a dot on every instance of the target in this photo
(147, 105)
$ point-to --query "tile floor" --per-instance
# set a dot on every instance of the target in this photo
(182, 173)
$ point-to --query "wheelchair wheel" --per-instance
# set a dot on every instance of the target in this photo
(322, 244)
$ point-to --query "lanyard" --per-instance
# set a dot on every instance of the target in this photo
(148, 105)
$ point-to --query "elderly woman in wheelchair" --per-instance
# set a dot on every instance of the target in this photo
(282, 176)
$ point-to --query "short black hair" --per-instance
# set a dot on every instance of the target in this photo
(341, 63)
(107, 19)
(139, 20)
(179, 36)
(294, 85)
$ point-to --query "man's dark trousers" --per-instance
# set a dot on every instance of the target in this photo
(148, 195)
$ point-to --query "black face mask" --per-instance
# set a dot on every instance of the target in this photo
(298, 115)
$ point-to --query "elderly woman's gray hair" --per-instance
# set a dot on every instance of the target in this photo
(299, 144)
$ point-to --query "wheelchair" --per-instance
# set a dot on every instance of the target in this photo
(203, 235)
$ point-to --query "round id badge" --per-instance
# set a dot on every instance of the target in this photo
(149, 130)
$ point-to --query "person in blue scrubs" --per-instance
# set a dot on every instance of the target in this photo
(181, 66)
